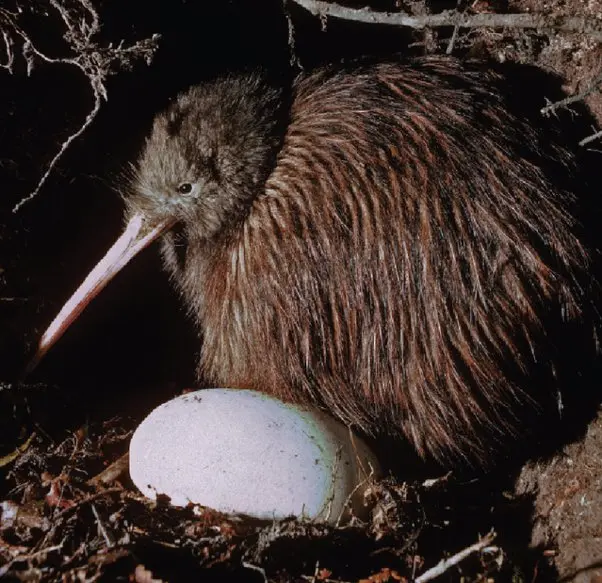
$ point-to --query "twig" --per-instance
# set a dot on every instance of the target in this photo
(28, 557)
(323, 9)
(446, 564)
(112, 472)
(591, 138)
(96, 62)
(255, 568)
(454, 36)
(8, 458)
(10, 54)
(311, 578)
(87, 500)
(593, 86)
(89, 119)
(349, 500)
(101, 527)
(452, 40)
(316, 572)
(368, 477)
(292, 47)
(432, 482)
(415, 561)
(41, 552)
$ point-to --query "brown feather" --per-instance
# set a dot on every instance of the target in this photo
(391, 260)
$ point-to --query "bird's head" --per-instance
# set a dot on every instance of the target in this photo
(205, 160)
(208, 155)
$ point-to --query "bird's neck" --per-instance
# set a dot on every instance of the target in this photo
(202, 268)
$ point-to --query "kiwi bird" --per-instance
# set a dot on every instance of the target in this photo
(380, 240)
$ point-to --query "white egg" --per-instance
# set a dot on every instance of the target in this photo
(243, 452)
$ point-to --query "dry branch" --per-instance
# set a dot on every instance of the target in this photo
(552, 108)
(593, 86)
(446, 564)
(10, 54)
(589, 26)
(595, 136)
(95, 61)
(111, 473)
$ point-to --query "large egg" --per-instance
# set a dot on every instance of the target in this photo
(243, 452)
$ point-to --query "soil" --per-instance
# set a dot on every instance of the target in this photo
(567, 501)
(68, 511)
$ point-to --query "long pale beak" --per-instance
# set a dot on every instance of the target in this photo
(136, 236)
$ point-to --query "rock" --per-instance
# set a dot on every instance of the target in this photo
(243, 452)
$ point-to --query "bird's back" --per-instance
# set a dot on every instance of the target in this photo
(398, 265)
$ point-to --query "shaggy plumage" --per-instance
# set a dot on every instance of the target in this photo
(382, 242)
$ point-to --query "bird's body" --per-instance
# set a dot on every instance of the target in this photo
(383, 243)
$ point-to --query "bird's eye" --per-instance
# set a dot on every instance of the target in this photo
(184, 188)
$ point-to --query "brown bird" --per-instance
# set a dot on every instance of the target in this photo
(381, 241)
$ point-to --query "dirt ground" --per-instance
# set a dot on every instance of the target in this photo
(68, 511)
